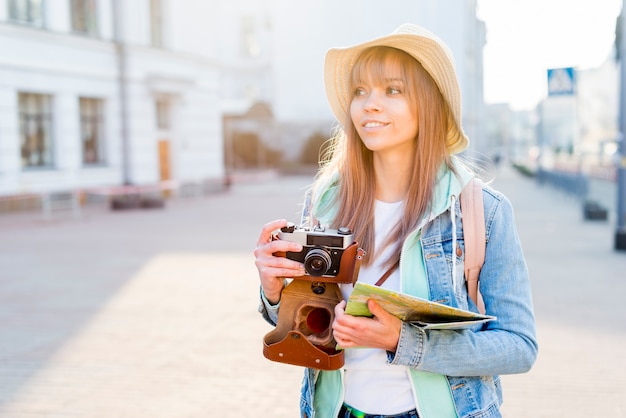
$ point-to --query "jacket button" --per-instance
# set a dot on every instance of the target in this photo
(459, 252)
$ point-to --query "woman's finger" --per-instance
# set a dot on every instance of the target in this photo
(271, 263)
(268, 230)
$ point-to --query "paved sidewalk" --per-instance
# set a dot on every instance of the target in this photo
(153, 313)
(579, 287)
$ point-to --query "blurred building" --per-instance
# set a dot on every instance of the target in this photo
(108, 92)
(509, 135)
(575, 132)
(579, 132)
(281, 44)
(96, 93)
(598, 104)
(557, 129)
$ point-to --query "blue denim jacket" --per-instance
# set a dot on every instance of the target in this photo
(471, 359)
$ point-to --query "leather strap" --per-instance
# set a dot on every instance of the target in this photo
(386, 275)
(360, 253)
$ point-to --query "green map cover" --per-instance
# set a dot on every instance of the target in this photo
(431, 315)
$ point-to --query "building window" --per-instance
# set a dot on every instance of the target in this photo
(36, 130)
(84, 16)
(163, 114)
(250, 41)
(91, 130)
(156, 23)
(26, 11)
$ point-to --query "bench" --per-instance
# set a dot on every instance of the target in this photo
(61, 200)
(135, 196)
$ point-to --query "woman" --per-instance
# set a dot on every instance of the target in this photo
(394, 180)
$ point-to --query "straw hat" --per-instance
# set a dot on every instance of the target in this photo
(425, 47)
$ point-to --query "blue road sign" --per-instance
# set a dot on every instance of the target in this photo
(561, 81)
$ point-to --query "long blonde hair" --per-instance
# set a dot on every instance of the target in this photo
(351, 163)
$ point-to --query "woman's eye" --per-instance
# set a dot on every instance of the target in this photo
(393, 90)
(359, 92)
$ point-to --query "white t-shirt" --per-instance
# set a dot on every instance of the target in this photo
(371, 384)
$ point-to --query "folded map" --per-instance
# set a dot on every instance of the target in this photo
(427, 314)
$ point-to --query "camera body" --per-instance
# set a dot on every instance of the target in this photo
(322, 248)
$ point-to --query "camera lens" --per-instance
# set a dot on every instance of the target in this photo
(317, 262)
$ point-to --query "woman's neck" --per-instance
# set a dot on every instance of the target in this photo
(392, 178)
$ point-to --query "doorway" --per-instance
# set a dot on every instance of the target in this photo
(165, 167)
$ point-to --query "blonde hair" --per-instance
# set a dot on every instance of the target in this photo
(349, 162)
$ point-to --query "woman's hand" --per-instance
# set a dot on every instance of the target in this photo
(273, 269)
(381, 331)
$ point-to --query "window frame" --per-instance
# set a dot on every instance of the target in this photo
(27, 12)
(84, 17)
(163, 112)
(156, 23)
(92, 120)
(36, 125)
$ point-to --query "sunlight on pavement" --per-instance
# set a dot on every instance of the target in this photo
(174, 333)
(563, 350)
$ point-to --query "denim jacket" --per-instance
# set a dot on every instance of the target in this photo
(471, 359)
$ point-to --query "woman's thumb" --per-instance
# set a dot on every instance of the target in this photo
(374, 307)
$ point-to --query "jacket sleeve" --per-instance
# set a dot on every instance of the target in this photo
(267, 310)
(506, 345)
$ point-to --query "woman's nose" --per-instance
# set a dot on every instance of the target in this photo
(373, 103)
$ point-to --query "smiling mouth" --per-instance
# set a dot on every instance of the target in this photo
(373, 124)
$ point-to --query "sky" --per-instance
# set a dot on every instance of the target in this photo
(526, 38)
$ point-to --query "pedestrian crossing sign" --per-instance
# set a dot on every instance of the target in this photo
(561, 81)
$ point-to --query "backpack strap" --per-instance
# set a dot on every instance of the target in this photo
(473, 220)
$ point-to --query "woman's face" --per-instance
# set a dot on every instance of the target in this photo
(382, 112)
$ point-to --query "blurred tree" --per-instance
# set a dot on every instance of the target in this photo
(314, 149)
(249, 151)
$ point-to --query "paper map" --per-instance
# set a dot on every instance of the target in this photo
(431, 315)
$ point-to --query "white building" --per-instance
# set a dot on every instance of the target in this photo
(580, 131)
(107, 92)
(598, 113)
(97, 93)
(510, 135)
(287, 41)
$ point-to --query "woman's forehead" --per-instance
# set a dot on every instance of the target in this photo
(378, 70)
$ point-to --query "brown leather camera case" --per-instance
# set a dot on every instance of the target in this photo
(303, 335)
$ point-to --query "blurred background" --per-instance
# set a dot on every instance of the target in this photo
(179, 96)
(216, 110)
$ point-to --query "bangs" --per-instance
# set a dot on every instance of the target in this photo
(377, 65)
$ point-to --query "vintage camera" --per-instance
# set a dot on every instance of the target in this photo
(322, 248)
(303, 334)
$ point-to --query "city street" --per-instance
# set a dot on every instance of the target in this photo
(153, 313)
